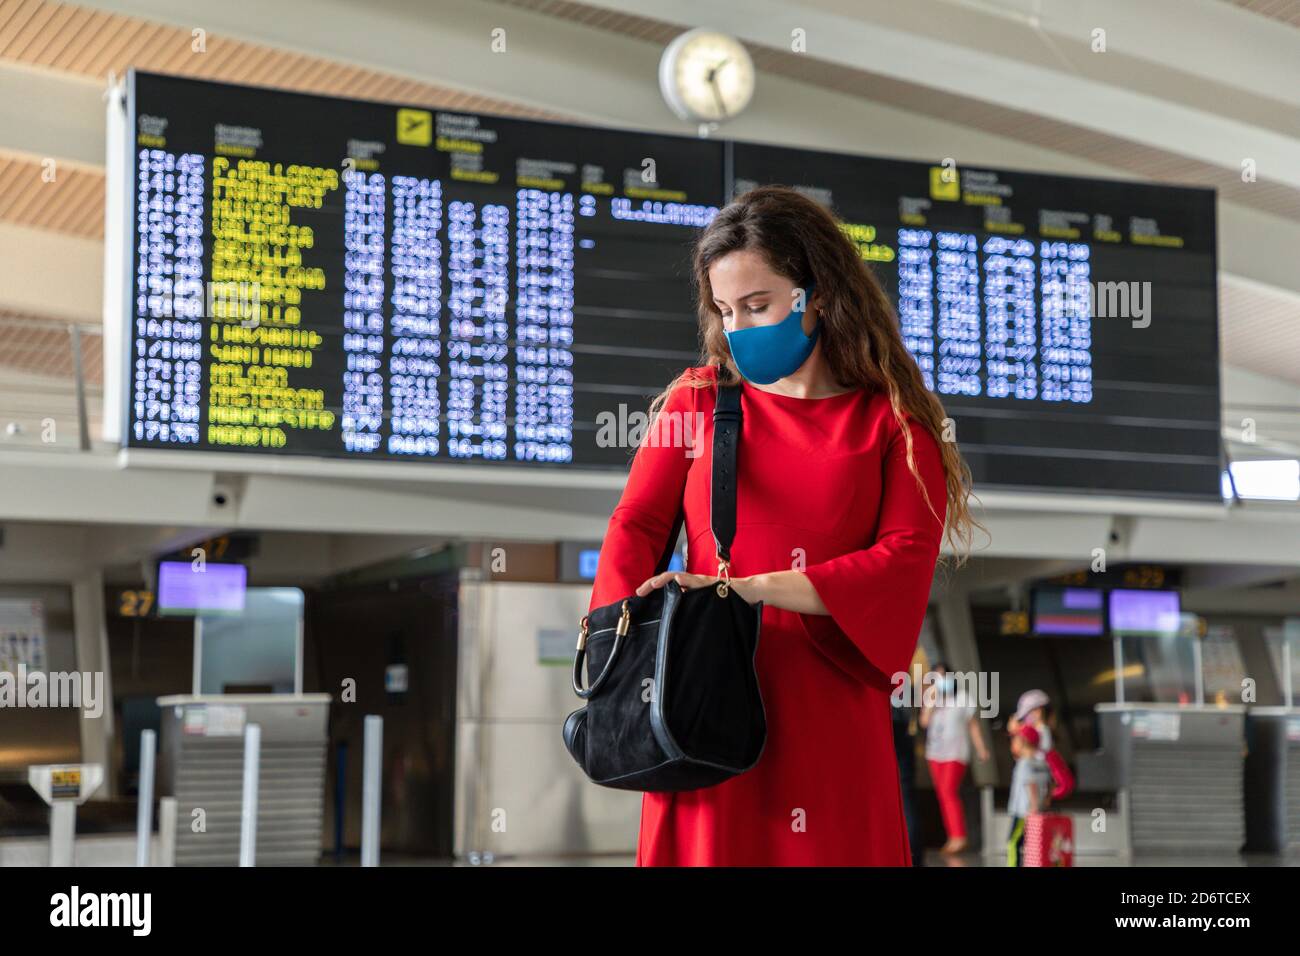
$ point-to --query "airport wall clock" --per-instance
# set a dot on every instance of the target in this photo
(706, 76)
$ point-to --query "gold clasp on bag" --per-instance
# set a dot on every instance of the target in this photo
(624, 623)
(724, 578)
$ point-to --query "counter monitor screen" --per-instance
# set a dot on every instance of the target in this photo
(364, 281)
(188, 588)
(1074, 612)
(1144, 613)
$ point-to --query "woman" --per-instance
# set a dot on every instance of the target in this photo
(951, 727)
(844, 486)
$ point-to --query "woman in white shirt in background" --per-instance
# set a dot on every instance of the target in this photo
(951, 728)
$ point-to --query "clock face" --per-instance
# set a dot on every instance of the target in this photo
(706, 76)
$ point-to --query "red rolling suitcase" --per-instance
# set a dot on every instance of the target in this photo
(1049, 840)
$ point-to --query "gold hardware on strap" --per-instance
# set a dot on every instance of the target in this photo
(724, 578)
(624, 621)
(582, 633)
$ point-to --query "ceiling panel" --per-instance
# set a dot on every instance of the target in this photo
(87, 42)
(1260, 330)
(59, 198)
(1283, 11)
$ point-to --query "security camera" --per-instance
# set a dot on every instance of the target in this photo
(223, 494)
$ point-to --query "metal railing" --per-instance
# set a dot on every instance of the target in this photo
(51, 396)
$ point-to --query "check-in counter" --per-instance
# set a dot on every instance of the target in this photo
(1181, 769)
(201, 764)
(1273, 779)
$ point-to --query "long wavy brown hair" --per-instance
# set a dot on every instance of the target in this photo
(860, 338)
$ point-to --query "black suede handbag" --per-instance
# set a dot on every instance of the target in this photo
(675, 704)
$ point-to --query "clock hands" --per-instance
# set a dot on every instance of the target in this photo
(713, 82)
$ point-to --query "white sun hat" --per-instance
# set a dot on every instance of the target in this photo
(1030, 700)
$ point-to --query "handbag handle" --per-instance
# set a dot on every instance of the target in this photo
(624, 622)
(727, 419)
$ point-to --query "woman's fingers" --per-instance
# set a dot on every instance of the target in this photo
(683, 579)
(694, 580)
(658, 581)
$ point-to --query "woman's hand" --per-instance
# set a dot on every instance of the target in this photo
(789, 590)
(742, 586)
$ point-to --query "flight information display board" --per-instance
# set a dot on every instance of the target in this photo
(328, 277)
(1069, 325)
(336, 278)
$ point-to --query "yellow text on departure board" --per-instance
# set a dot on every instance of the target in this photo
(258, 237)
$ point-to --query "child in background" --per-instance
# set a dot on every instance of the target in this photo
(1030, 788)
(1033, 709)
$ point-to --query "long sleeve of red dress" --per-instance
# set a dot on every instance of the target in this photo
(877, 595)
(639, 527)
(824, 487)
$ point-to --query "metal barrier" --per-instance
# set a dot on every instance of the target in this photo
(52, 374)
(250, 807)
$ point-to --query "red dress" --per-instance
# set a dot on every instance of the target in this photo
(824, 487)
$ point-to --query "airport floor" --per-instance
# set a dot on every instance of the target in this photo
(932, 859)
(118, 849)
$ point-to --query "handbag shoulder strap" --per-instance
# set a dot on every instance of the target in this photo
(726, 441)
(722, 505)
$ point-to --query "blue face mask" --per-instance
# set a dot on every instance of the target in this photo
(765, 353)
